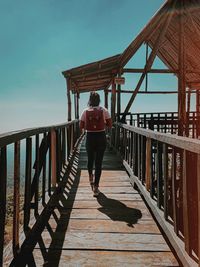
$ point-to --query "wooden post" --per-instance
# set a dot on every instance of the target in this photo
(69, 100)
(16, 199)
(159, 175)
(181, 77)
(36, 187)
(174, 198)
(77, 104)
(44, 175)
(148, 163)
(185, 203)
(198, 192)
(113, 101)
(187, 126)
(3, 185)
(118, 100)
(198, 114)
(53, 158)
(106, 99)
(165, 178)
(27, 197)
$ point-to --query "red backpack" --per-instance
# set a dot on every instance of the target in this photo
(95, 120)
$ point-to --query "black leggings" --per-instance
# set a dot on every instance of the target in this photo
(95, 146)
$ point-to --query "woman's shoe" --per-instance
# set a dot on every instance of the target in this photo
(96, 191)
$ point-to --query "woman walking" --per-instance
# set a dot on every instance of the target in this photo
(94, 121)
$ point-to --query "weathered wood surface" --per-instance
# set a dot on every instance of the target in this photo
(115, 229)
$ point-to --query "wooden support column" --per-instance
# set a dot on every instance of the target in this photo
(198, 192)
(3, 188)
(181, 77)
(113, 101)
(69, 100)
(53, 158)
(118, 101)
(198, 114)
(150, 60)
(77, 104)
(148, 164)
(106, 99)
(16, 199)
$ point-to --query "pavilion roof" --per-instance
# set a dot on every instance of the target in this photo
(98, 75)
(169, 49)
(93, 76)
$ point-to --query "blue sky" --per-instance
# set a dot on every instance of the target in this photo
(41, 38)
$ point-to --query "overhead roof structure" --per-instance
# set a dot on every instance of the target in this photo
(98, 75)
(93, 76)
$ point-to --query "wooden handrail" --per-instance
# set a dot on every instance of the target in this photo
(11, 137)
(47, 150)
(189, 144)
(165, 168)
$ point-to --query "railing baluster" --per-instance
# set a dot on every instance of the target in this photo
(63, 146)
(159, 175)
(148, 164)
(3, 183)
(44, 173)
(58, 159)
(135, 165)
(49, 165)
(139, 156)
(198, 208)
(165, 179)
(16, 199)
(185, 203)
(174, 198)
(53, 158)
(27, 194)
(36, 187)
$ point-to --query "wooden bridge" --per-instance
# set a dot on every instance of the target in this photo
(148, 212)
(139, 219)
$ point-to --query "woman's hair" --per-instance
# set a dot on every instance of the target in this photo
(94, 99)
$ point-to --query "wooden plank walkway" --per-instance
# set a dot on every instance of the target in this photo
(115, 229)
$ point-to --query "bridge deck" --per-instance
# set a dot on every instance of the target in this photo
(115, 229)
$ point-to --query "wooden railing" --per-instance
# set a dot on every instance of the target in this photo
(165, 122)
(166, 169)
(40, 155)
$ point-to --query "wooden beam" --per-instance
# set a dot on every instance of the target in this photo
(69, 100)
(118, 99)
(3, 193)
(77, 104)
(198, 206)
(164, 71)
(53, 158)
(148, 164)
(150, 60)
(181, 76)
(113, 101)
(150, 92)
(16, 199)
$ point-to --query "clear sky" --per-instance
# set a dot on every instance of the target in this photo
(41, 38)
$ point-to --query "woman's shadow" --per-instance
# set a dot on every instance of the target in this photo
(118, 211)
